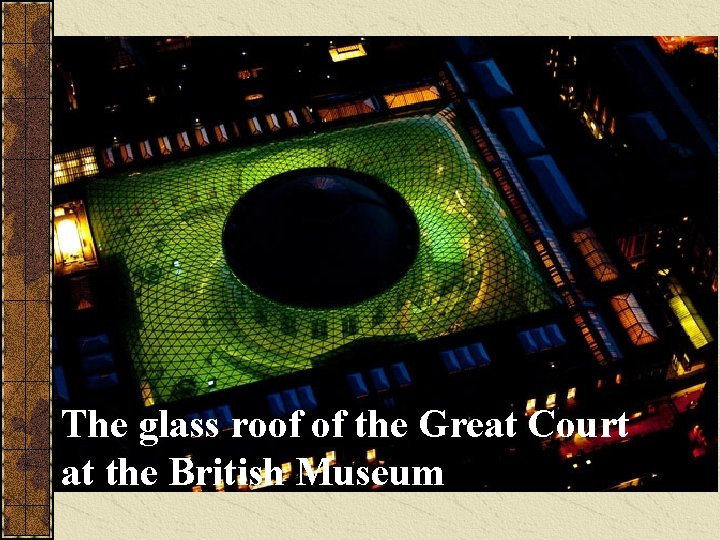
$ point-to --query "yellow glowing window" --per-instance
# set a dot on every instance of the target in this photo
(340, 54)
(220, 486)
(595, 256)
(633, 319)
(69, 239)
(690, 321)
(147, 396)
(69, 166)
(530, 406)
(550, 401)
(286, 470)
(571, 393)
(371, 455)
(331, 456)
(412, 96)
(73, 245)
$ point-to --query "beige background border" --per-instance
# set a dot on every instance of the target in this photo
(408, 515)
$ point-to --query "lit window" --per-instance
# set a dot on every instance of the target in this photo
(371, 455)
(272, 122)
(413, 96)
(108, 160)
(245, 74)
(126, 153)
(76, 164)
(633, 319)
(347, 110)
(145, 150)
(254, 126)
(147, 396)
(201, 136)
(291, 118)
(340, 54)
(595, 256)
(550, 401)
(220, 486)
(183, 141)
(74, 248)
(220, 133)
(530, 406)
(164, 144)
(197, 489)
(618, 378)
(254, 97)
(331, 457)
(571, 393)
(286, 470)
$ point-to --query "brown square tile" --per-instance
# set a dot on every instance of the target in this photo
(14, 476)
(14, 23)
(38, 520)
(14, 520)
(39, 288)
(38, 477)
(14, 405)
(14, 233)
(14, 125)
(38, 70)
(14, 70)
(38, 22)
(38, 342)
(38, 415)
(38, 127)
(14, 365)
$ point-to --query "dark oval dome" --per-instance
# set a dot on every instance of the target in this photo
(320, 238)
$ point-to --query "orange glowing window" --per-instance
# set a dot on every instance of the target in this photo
(633, 319)
(347, 110)
(291, 118)
(254, 126)
(145, 150)
(126, 153)
(272, 122)
(220, 133)
(183, 141)
(413, 96)
(245, 74)
(595, 256)
(201, 136)
(164, 144)
(254, 97)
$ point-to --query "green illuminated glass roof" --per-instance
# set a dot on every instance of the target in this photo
(193, 327)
